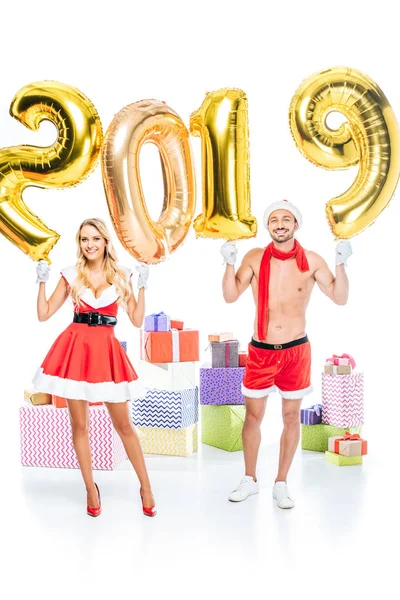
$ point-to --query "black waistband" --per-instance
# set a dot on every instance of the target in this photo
(264, 346)
(94, 319)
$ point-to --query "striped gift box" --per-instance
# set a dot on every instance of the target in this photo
(311, 415)
(170, 409)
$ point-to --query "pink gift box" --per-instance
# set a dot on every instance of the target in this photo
(46, 438)
(343, 400)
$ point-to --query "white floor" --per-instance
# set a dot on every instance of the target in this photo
(335, 542)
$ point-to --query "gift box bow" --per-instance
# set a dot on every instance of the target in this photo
(344, 358)
(316, 408)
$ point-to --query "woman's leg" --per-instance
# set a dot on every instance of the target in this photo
(119, 413)
(79, 416)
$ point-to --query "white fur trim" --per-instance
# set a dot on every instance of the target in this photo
(297, 394)
(258, 393)
(107, 391)
(282, 205)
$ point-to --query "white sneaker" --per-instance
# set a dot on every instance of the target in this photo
(282, 495)
(247, 487)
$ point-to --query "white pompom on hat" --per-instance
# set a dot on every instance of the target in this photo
(282, 205)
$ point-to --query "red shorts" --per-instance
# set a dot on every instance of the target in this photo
(285, 368)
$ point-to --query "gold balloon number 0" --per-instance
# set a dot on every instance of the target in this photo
(369, 138)
(66, 162)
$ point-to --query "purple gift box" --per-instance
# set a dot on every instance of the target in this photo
(124, 345)
(221, 386)
(157, 322)
(311, 415)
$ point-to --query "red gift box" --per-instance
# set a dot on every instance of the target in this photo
(242, 359)
(176, 325)
(169, 346)
(350, 437)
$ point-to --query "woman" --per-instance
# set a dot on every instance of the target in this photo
(87, 362)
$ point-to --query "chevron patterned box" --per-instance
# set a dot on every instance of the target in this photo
(173, 442)
(343, 399)
(315, 437)
(168, 376)
(221, 426)
(175, 409)
(46, 438)
(221, 385)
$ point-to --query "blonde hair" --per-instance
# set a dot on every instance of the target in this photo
(114, 274)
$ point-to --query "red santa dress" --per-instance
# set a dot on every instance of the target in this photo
(87, 362)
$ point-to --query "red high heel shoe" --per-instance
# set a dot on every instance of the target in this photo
(95, 512)
(148, 512)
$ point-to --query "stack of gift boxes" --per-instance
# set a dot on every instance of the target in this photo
(334, 427)
(221, 399)
(46, 436)
(166, 418)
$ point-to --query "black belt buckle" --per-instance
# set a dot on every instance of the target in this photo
(94, 319)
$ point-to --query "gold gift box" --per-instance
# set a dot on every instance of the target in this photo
(337, 369)
(37, 398)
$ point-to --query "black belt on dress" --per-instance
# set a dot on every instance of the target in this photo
(94, 319)
(265, 346)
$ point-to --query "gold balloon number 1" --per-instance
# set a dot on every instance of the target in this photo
(369, 137)
(66, 162)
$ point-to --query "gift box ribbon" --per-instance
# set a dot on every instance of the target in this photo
(316, 408)
(347, 437)
(334, 360)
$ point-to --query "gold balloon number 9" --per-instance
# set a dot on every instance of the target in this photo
(369, 138)
(66, 162)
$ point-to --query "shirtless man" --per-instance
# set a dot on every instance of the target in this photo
(282, 277)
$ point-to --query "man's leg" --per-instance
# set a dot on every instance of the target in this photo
(290, 436)
(251, 435)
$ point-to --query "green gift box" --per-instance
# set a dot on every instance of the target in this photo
(315, 437)
(221, 426)
(341, 460)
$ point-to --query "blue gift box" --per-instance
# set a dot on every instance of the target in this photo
(311, 415)
(175, 409)
(124, 345)
(157, 322)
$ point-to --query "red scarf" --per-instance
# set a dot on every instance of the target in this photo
(263, 281)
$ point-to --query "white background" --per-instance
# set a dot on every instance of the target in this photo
(117, 53)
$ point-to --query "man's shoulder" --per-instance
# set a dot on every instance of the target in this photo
(314, 260)
(253, 255)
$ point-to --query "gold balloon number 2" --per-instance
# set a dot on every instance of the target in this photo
(369, 137)
(66, 162)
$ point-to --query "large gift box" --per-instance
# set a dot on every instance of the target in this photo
(225, 354)
(157, 322)
(165, 408)
(315, 437)
(221, 426)
(343, 400)
(46, 438)
(311, 415)
(221, 386)
(174, 442)
(349, 444)
(169, 346)
(342, 461)
(167, 376)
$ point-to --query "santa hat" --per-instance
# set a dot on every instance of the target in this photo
(282, 205)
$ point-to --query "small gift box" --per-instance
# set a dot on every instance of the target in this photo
(311, 415)
(220, 337)
(37, 398)
(337, 369)
(176, 324)
(242, 358)
(342, 461)
(125, 346)
(157, 322)
(224, 354)
(348, 445)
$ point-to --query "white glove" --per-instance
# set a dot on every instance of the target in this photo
(42, 271)
(229, 252)
(343, 252)
(143, 271)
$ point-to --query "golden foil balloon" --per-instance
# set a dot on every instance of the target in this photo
(64, 163)
(369, 137)
(222, 124)
(148, 121)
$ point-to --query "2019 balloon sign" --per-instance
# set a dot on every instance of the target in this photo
(370, 138)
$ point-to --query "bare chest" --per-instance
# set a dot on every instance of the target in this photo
(287, 284)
